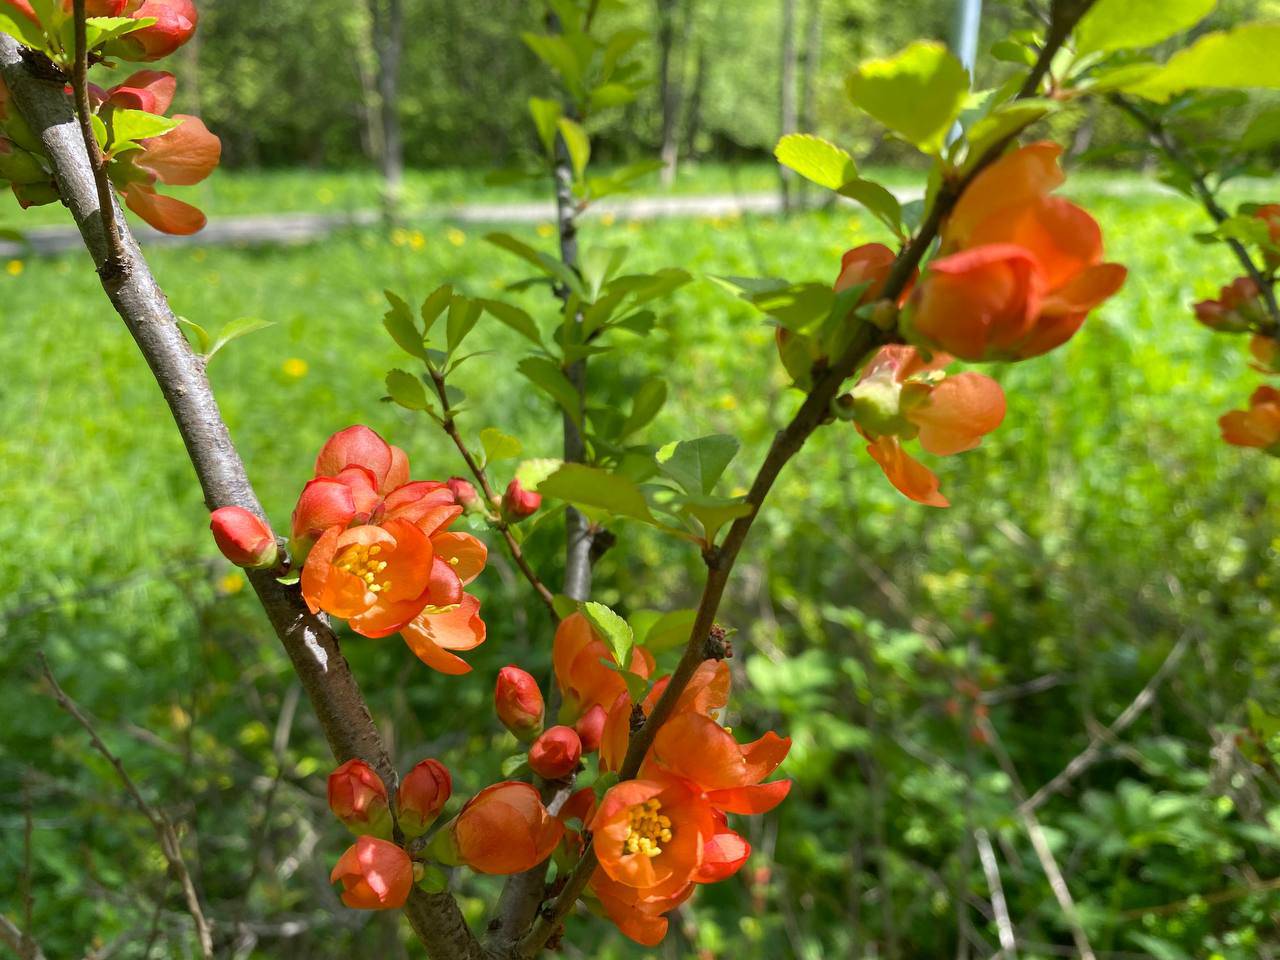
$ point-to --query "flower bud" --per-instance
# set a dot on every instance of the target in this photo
(518, 703)
(465, 494)
(18, 165)
(590, 728)
(518, 503)
(556, 753)
(175, 23)
(1266, 353)
(375, 875)
(503, 829)
(423, 793)
(358, 797)
(243, 538)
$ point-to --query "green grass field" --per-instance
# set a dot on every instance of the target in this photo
(1101, 521)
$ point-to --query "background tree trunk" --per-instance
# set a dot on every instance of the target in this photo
(387, 17)
(670, 77)
(809, 78)
(787, 94)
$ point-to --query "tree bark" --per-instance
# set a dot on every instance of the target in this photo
(787, 94)
(668, 88)
(387, 17)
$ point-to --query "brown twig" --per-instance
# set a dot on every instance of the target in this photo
(786, 444)
(170, 845)
(1164, 139)
(991, 869)
(490, 496)
(117, 263)
(311, 645)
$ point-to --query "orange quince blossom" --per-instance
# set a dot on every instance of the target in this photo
(1259, 426)
(1270, 215)
(1237, 308)
(375, 875)
(503, 829)
(358, 797)
(638, 915)
(1019, 269)
(706, 692)
(1266, 353)
(583, 680)
(901, 397)
(385, 559)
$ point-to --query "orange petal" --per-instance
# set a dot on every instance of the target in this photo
(1086, 289)
(958, 413)
(184, 156)
(164, 213)
(463, 552)
(1015, 180)
(911, 477)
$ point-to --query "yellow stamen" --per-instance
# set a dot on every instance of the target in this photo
(646, 828)
(358, 561)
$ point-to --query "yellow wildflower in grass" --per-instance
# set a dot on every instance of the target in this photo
(608, 218)
(455, 236)
(417, 240)
(546, 230)
(231, 583)
(399, 237)
(295, 367)
(15, 268)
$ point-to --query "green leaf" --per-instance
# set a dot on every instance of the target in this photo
(498, 445)
(1126, 24)
(592, 487)
(515, 764)
(714, 512)
(547, 264)
(646, 403)
(463, 314)
(434, 305)
(557, 54)
(546, 114)
(917, 93)
(434, 880)
(615, 631)
(610, 95)
(203, 340)
(233, 331)
(697, 464)
(564, 606)
(667, 631)
(1263, 130)
(815, 159)
(882, 204)
(515, 318)
(577, 143)
(130, 126)
(1002, 123)
(1244, 57)
(21, 28)
(99, 131)
(549, 378)
(400, 325)
(800, 307)
(406, 390)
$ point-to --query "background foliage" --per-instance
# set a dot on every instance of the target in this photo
(933, 666)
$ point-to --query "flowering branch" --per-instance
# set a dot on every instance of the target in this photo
(117, 262)
(163, 826)
(815, 411)
(1165, 141)
(307, 639)
(517, 554)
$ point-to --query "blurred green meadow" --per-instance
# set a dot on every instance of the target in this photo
(1103, 523)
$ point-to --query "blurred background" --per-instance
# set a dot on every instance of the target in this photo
(1104, 584)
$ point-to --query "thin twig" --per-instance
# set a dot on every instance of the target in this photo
(786, 444)
(19, 941)
(1008, 943)
(1164, 139)
(117, 260)
(170, 846)
(450, 427)
(1086, 757)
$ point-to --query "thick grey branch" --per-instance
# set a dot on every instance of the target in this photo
(310, 643)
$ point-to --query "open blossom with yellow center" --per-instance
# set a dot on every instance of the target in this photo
(361, 560)
(647, 828)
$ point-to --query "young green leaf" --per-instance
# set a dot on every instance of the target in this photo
(880, 203)
(646, 403)
(498, 445)
(917, 93)
(549, 378)
(815, 159)
(406, 390)
(546, 114)
(592, 487)
(400, 324)
(577, 143)
(615, 631)
(1243, 57)
(463, 314)
(128, 126)
(697, 464)
(203, 340)
(434, 305)
(1129, 24)
(233, 331)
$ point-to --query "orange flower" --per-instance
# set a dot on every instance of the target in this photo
(637, 914)
(1269, 214)
(697, 749)
(1259, 426)
(648, 834)
(1237, 308)
(555, 753)
(422, 795)
(243, 537)
(358, 797)
(517, 699)
(503, 829)
(385, 558)
(583, 680)
(706, 692)
(901, 397)
(1266, 353)
(375, 875)
(1019, 269)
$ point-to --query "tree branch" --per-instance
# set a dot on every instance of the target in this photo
(170, 846)
(786, 444)
(310, 643)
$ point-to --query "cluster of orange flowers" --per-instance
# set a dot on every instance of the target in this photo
(1017, 273)
(181, 156)
(1240, 308)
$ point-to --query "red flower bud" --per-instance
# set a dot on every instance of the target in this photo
(358, 797)
(243, 538)
(423, 794)
(556, 753)
(503, 829)
(518, 702)
(464, 493)
(325, 502)
(590, 728)
(175, 23)
(518, 503)
(375, 875)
